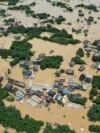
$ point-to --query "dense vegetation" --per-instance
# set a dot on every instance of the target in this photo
(57, 129)
(59, 36)
(89, 7)
(62, 5)
(78, 60)
(94, 113)
(10, 20)
(81, 101)
(10, 2)
(3, 93)
(19, 50)
(2, 12)
(80, 52)
(94, 128)
(20, 7)
(95, 87)
(62, 37)
(51, 62)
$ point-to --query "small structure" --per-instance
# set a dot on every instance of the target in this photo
(58, 97)
(65, 84)
(81, 68)
(61, 81)
(27, 73)
(94, 65)
(72, 63)
(51, 93)
(49, 99)
(24, 63)
(56, 84)
(57, 73)
(1, 79)
(98, 67)
(9, 86)
(37, 61)
(76, 96)
(17, 83)
(30, 92)
(66, 91)
(13, 90)
(70, 72)
(17, 37)
(39, 93)
(64, 99)
(82, 77)
(88, 78)
(60, 88)
(35, 68)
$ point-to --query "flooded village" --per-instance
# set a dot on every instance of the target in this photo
(50, 62)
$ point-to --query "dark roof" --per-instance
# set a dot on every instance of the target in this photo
(87, 79)
(51, 93)
(72, 63)
(65, 91)
(75, 96)
(81, 68)
(24, 63)
(1, 78)
(30, 92)
(82, 77)
(56, 84)
(49, 99)
(39, 93)
(27, 73)
(15, 82)
(9, 86)
(70, 72)
(58, 97)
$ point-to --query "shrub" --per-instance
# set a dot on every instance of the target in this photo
(80, 52)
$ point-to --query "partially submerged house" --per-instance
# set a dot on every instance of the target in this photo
(76, 96)
(31, 92)
(66, 91)
(38, 59)
(9, 86)
(57, 73)
(56, 84)
(26, 73)
(98, 67)
(58, 97)
(88, 78)
(51, 93)
(24, 63)
(35, 68)
(70, 72)
(17, 83)
(82, 77)
(49, 99)
(71, 63)
(1, 79)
